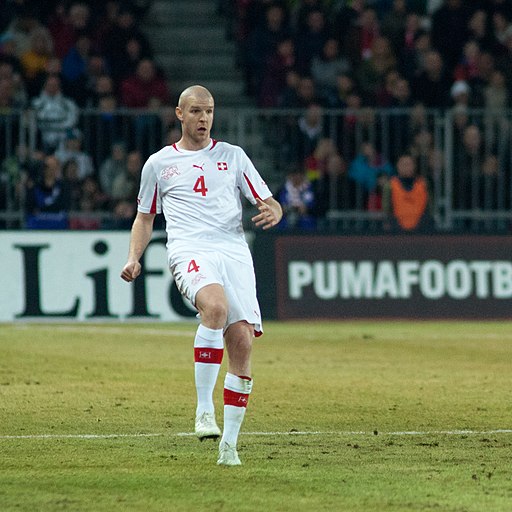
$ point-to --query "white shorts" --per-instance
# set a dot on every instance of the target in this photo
(194, 270)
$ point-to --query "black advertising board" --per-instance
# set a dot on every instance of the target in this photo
(317, 276)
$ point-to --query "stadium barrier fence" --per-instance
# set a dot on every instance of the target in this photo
(463, 153)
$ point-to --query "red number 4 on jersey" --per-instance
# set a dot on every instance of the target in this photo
(200, 186)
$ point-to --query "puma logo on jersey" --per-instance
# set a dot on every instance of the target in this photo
(169, 172)
(199, 166)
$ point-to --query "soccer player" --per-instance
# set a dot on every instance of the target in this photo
(196, 183)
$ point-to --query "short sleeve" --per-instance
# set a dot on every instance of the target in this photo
(148, 200)
(251, 183)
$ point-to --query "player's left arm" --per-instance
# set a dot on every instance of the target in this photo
(270, 213)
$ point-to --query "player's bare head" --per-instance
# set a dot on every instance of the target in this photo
(195, 93)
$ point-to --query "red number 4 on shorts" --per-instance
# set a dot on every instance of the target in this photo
(192, 266)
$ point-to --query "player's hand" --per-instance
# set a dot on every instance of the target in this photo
(270, 214)
(131, 271)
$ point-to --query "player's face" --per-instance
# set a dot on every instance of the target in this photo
(196, 116)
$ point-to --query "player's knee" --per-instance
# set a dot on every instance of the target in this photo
(216, 311)
(240, 335)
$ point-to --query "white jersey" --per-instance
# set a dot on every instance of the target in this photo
(199, 195)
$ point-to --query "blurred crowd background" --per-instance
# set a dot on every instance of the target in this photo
(359, 102)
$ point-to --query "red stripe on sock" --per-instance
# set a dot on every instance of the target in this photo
(235, 398)
(208, 355)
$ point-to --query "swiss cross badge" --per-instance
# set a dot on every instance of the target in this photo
(222, 166)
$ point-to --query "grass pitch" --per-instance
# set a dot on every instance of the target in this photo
(345, 416)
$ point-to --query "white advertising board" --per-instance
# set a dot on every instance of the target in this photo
(51, 275)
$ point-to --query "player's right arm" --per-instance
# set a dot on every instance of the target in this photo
(142, 230)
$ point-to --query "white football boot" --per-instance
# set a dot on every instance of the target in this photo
(228, 456)
(206, 426)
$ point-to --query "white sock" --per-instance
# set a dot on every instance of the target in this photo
(236, 395)
(208, 352)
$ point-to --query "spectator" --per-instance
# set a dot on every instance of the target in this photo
(309, 42)
(374, 202)
(478, 30)
(47, 202)
(103, 86)
(428, 156)
(467, 68)
(73, 185)
(145, 88)
(261, 43)
(55, 114)
(460, 93)
(326, 67)
(106, 23)
(115, 43)
(394, 25)
(304, 95)
(306, 133)
(359, 38)
(406, 197)
(486, 66)
(126, 184)
(316, 164)
(367, 166)
(289, 95)
(71, 149)
(492, 194)
(297, 200)
(300, 12)
(470, 157)
(274, 77)
(334, 190)
(96, 70)
(345, 86)
(8, 52)
(67, 24)
(412, 59)
(109, 126)
(21, 28)
(496, 93)
(347, 17)
(93, 199)
(35, 60)
(112, 167)
(13, 94)
(350, 126)
(53, 67)
(431, 86)
(133, 54)
(75, 66)
(385, 90)
(399, 127)
(418, 118)
(122, 215)
(502, 29)
(371, 72)
(452, 18)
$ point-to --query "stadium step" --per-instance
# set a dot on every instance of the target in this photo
(190, 45)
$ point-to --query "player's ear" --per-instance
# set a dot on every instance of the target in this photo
(179, 113)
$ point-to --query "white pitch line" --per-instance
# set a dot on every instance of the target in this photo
(78, 436)
(292, 433)
(366, 433)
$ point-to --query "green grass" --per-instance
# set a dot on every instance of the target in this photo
(381, 379)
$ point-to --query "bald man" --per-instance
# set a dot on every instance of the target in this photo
(196, 183)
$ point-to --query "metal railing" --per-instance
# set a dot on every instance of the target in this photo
(464, 154)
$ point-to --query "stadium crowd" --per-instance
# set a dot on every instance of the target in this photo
(59, 57)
